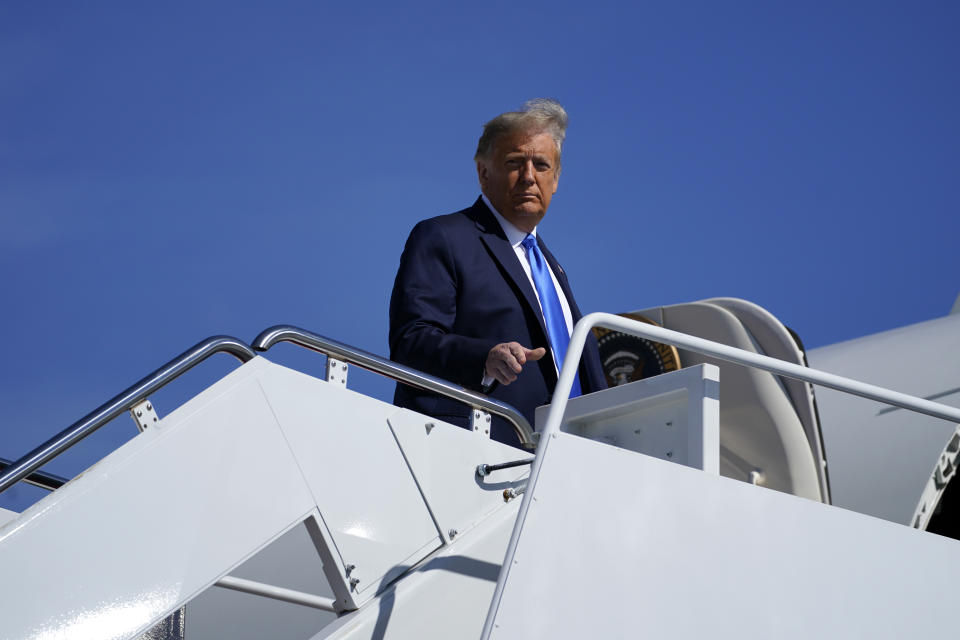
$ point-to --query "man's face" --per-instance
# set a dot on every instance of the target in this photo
(520, 177)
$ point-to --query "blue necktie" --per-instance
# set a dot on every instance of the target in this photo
(550, 303)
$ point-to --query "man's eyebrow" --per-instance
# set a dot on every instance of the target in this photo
(539, 157)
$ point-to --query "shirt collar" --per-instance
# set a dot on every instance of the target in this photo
(514, 235)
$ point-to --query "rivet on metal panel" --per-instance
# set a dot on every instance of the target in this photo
(143, 415)
(337, 371)
(354, 582)
(348, 568)
(669, 454)
(480, 421)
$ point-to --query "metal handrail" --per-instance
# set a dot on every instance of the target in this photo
(124, 401)
(390, 369)
(561, 393)
(40, 479)
(746, 358)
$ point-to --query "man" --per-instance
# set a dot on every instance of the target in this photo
(478, 299)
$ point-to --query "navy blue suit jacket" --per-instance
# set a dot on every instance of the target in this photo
(459, 291)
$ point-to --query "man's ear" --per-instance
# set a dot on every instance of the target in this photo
(482, 174)
(556, 181)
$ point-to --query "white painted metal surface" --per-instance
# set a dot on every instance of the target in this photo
(446, 597)
(373, 512)
(291, 561)
(618, 543)
(256, 454)
(6, 515)
(662, 551)
(673, 416)
(102, 557)
(775, 340)
(443, 460)
(551, 430)
(761, 430)
(882, 458)
(262, 436)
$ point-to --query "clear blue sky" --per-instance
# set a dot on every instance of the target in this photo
(170, 171)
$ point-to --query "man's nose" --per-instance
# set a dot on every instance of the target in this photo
(526, 171)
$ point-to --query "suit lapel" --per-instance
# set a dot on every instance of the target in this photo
(496, 242)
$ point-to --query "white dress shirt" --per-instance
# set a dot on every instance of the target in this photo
(515, 237)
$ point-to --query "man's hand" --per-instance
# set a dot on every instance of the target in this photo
(506, 360)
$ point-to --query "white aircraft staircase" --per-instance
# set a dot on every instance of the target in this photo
(274, 504)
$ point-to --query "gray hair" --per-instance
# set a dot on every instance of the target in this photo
(540, 115)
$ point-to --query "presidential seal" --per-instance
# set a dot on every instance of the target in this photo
(627, 358)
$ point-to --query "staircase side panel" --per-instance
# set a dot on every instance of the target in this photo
(155, 522)
(377, 521)
(617, 544)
